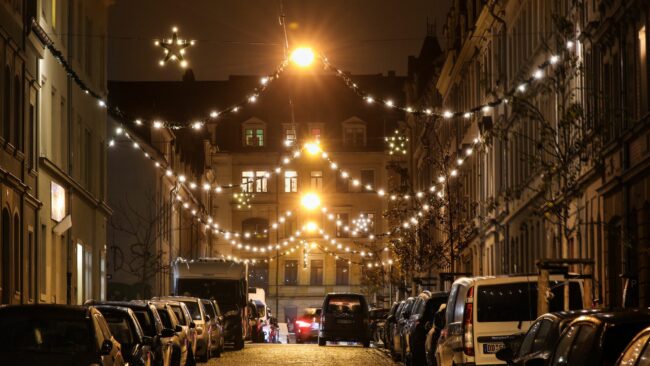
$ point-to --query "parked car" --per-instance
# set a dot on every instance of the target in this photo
(417, 326)
(56, 335)
(403, 313)
(216, 328)
(164, 352)
(637, 351)
(204, 331)
(597, 339)
(388, 325)
(307, 325)
(136, 347)
(433, 335)
(377, 321)
(262, 319)
(344, 317)
(174, 334)
(184, 320)
(538, 343)
(484, 313)
(254, 322)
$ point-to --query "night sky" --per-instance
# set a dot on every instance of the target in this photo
(243, 36)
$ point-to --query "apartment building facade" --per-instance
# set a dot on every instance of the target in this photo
(489, 51)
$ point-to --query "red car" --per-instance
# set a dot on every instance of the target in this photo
(307, 325)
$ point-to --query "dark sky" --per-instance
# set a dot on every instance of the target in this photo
(244, 37)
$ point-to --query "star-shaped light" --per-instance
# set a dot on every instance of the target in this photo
(174, 48)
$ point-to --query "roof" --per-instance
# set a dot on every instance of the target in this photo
(176, 298)
(127, 304)
(45, 310)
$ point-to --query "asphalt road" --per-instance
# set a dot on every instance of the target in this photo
(303, 354)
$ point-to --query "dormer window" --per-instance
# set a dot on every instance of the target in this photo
(354, 133)
(315, 131)
(253, 132)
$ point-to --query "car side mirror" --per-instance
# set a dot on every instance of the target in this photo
(107, 347)
(147, 341)
(168, 332)
(505, 354)
(192, 325)
(179, 328)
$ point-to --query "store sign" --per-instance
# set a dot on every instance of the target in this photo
(58, 202)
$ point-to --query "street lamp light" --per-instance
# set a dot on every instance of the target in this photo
(310, 201)
(302, 56)
(313, 148)
(310, 227)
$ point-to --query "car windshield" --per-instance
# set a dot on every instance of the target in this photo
(193, 307)
(179, 314)
(344, 305)
(146, 323)
(517, 301)
(121, 329)
(50, 335)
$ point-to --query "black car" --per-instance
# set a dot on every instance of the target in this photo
(136, 347)
(56, 335)
(597, 339)
(637, 352)
(377, 321)
(145, 312)
(417, 326)
(539, 341)
(344, 317)
(388, 325)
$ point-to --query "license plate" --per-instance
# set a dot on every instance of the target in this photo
(344, 321)
(314, 325)
(490, 348)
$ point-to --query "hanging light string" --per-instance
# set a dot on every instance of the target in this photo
(198, 124)
(535, 76)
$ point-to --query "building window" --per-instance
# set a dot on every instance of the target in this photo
(290, 181)
(315, 133)
(643, 72)
(256, 230)
(342, 222)
(342, 184)
(367, 178)
(247, 181)
(316, 179)
(291, 272)
(254, 136)
(43, 258)
(342, 273)
(290, 136)
(6, 115)
(354, 136)
(18, 115)
(289, 227)
(367, 223)
(261, 181)
(316, 273)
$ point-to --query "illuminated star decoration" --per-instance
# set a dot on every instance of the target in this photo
(174, 48)
(396, 143)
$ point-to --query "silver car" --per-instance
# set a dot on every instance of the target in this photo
(201, 321)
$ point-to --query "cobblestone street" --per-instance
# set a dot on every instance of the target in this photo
(303, 354)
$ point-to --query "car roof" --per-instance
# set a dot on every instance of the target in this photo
(483, 280)
(134, 304)
(617, 316)
(178, 298)
(43, 310)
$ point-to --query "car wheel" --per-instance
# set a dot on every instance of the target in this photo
(322, 341)
(239, 343)
(366, 343)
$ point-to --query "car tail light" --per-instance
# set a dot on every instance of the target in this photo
(303, 324)
(468, 336)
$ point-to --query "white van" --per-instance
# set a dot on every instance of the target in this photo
(485, 312)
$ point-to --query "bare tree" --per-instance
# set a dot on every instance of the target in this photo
(140, 229)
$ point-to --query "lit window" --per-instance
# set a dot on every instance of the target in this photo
(317, 181)
(342, 273)
(290, 136)
(342, 221)
(316, 133)
(247, 181)
(261, 182)
(290, 181)
(254, 136)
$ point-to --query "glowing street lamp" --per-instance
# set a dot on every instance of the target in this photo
(302, 56)
(313, 148)
(311, 227)
(310, 201)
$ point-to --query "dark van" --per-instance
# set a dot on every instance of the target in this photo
(344, 317)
